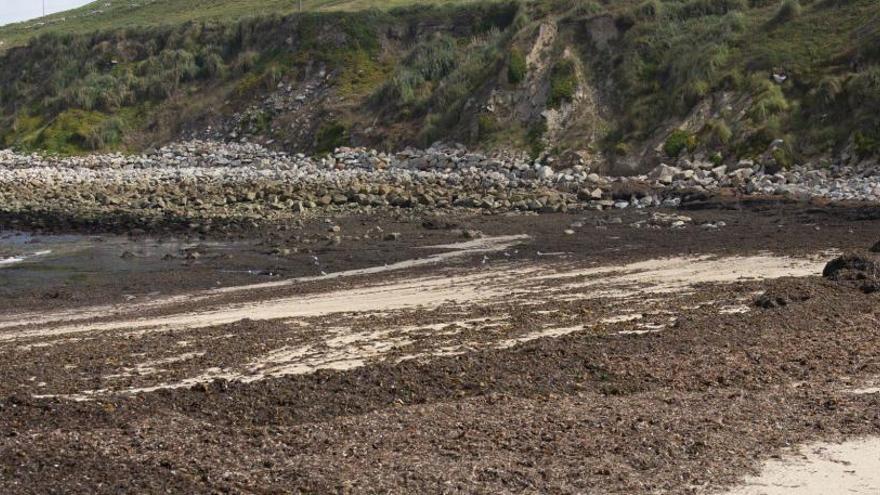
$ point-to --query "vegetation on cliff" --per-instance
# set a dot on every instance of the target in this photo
(616, 79)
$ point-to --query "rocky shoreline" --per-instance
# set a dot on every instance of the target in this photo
(203, 182)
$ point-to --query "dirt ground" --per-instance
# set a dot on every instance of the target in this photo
(587, 352)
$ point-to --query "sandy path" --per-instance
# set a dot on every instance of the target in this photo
(528, 283)
(821, 469)
(456, 250)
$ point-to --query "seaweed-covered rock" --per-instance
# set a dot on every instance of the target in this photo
(785, 292)
(855, 269)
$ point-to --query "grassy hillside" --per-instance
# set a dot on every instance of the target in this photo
(103, 15)
(626, 82)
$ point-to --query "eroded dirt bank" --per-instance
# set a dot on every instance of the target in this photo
(568, 353)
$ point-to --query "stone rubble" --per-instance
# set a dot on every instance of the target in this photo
(205, 179)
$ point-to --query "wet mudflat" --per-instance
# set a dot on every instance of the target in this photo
(622, 356)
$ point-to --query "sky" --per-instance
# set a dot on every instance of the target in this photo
(22, 10)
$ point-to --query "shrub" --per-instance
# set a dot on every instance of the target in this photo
(535, 139)
(563, 83)
(486, 125)
(783, 156)
(330, 136)
(516, 66)
(865, 146)
(677, 142)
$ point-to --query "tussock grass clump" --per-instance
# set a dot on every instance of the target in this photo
(516, 66)
(427, 62)
(718, 133)
(650, 9)
(863, 91)
(830, 4)
(703, 8)
(828, 90)
(789, 10)
(768, 99)
(583, 8)
(483, 56)
(480, 60)
(667, 66)
(563, 83)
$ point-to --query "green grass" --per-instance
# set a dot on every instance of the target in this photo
(98, 16)
(75, 131)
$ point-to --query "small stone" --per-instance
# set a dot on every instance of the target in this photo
(545, 173)
(664, 173)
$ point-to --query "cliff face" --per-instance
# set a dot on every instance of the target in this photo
(619, 87)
